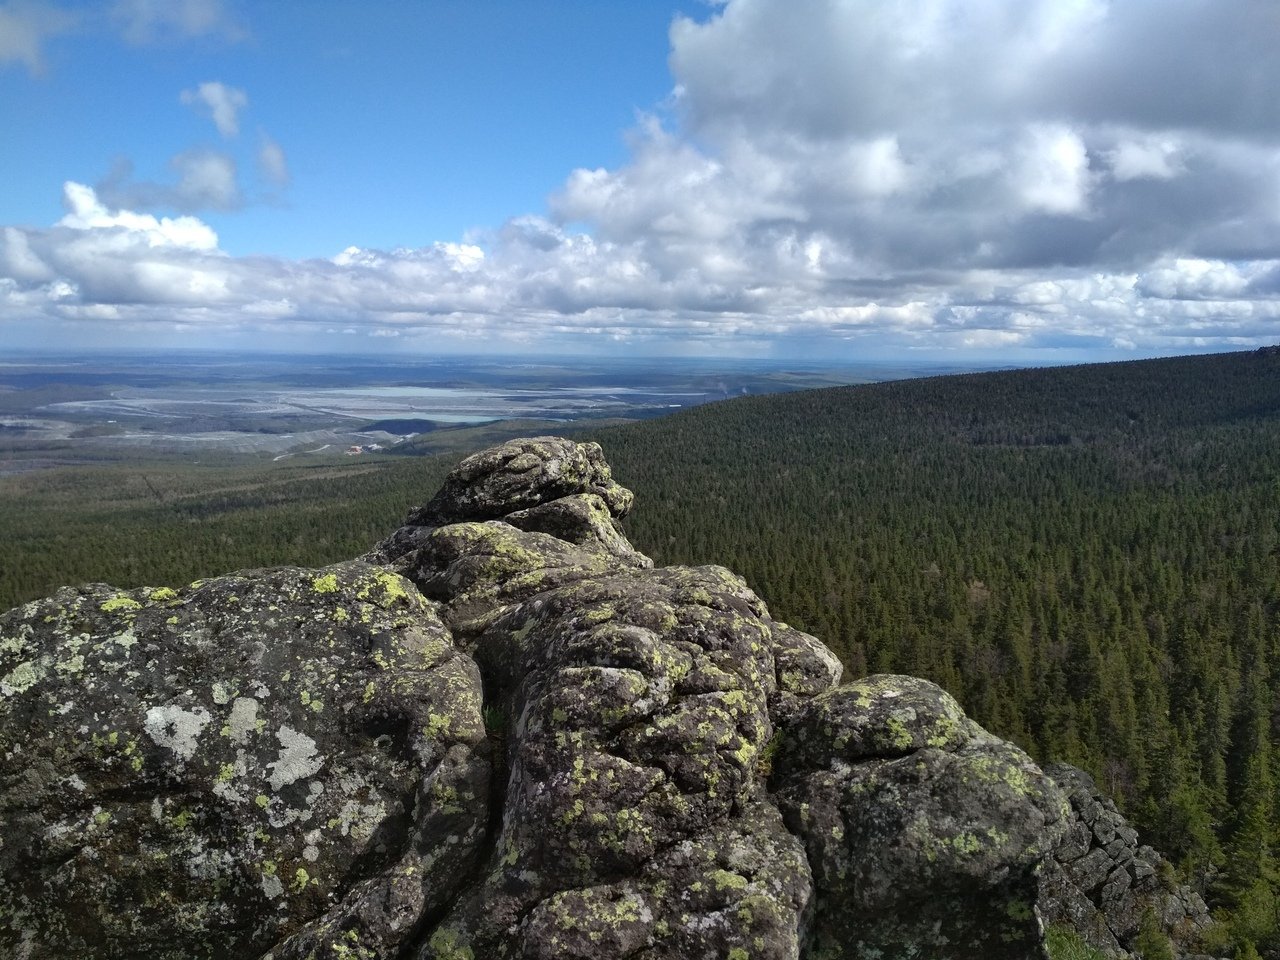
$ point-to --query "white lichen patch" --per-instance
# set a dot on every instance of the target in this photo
(12, 644)
(125, 640)
(71, 665)
(359, 821)
(224, 783)
(22, 678)
(177, 729)
(221, 696)
(243, 720)
(298, 758)
(271, 885)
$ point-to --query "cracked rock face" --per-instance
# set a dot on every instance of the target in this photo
(1101, 881)
(292, 763)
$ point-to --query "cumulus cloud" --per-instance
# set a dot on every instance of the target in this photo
(222, 103)
(1053, 171)
(1145, 155)
(24, 28)
(85, 212)
(204, 180)
(980, 175)
(533, 281)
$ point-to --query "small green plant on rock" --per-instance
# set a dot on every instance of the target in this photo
(495, 721)
(1063, 943)
(1152, 943)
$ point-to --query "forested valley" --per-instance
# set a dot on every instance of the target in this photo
(1088, 558)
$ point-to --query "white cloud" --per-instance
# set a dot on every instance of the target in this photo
(223, 104)
(155, 21)
(19, 262)
(1053, 171)
(85, 212)
(272, 164)
(24, 28)
(205, 180)
(1154, 156)
(1190, 278)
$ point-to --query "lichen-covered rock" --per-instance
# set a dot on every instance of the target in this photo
(635, 814)
(584, 519)
(287, 758)
(480, 569)
(924, 832)
(291, 765)
(1101, 882)
(521, 474)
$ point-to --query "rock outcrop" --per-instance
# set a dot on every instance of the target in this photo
(503, 733)
(1102, 883)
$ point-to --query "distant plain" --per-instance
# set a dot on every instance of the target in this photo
(60, 410)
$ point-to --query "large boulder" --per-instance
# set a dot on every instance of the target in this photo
(924, 832)
(286, 758)
(636, 814)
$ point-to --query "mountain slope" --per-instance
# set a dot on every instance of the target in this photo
(1088, 558)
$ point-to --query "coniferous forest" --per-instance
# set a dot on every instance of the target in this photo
(1088, 558)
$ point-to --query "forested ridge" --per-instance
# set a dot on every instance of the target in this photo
(1087, 557)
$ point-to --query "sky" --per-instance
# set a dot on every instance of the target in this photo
(1025, 181)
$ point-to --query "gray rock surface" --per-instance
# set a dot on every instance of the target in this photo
(924, 832)
(292, 763)
(286, 757)
(1101, 881)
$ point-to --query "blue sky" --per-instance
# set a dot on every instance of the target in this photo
(1029, 181)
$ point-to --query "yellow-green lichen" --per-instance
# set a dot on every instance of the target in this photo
(437, 724)
(120, 604)
(899, 736)
(392, 589)
(727, 880)
(326, 583)
(447, 944)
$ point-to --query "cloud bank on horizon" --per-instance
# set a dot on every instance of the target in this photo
(1029, 178)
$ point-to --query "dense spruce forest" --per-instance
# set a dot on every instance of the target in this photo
(1087, 557)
